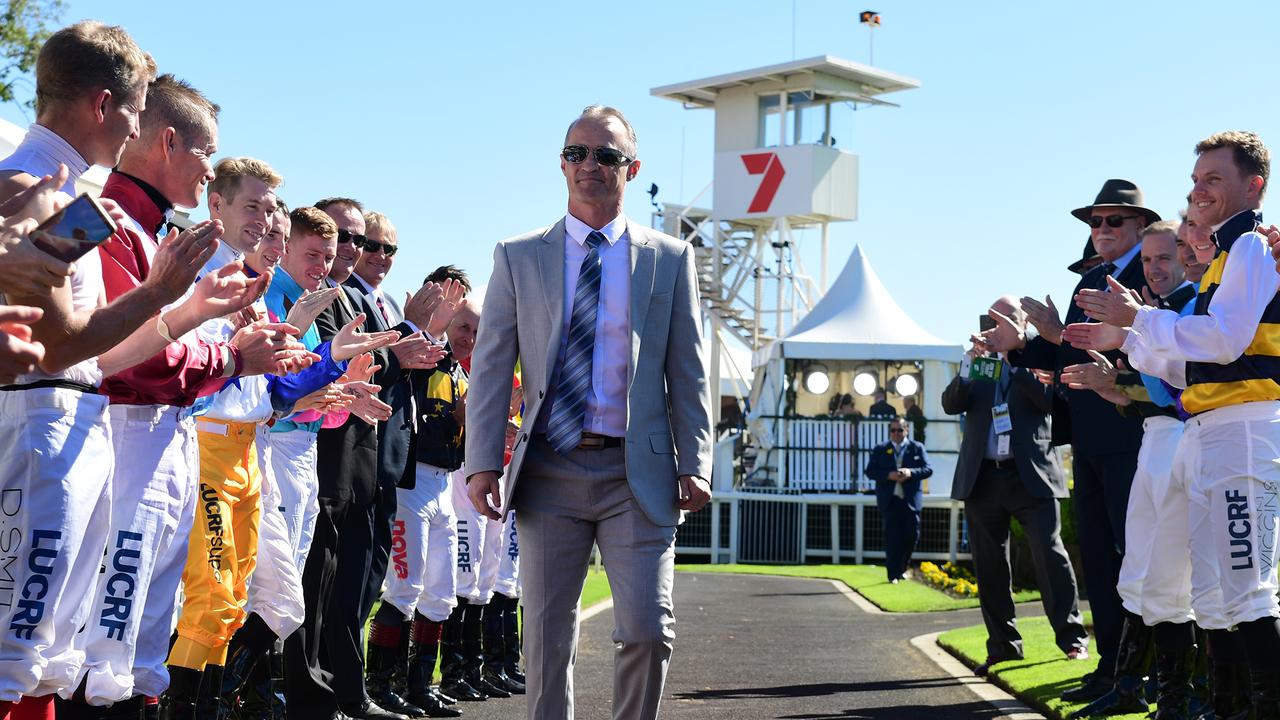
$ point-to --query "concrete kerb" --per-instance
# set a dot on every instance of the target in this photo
(1010, 707)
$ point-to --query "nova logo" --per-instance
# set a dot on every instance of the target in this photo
(400, 550)
(770, 166)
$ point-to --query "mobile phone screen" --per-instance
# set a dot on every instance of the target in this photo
(75, 230)
(986, 322)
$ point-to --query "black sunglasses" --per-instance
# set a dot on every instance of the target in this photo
(346, 236)
(897, 430)
(374, 246)
(1114, 221)
(606, 156)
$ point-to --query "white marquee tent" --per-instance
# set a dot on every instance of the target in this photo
(858, 320)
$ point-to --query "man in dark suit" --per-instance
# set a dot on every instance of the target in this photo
(899, 467)
(1009, 469)
(1104, 442)
(356, 467)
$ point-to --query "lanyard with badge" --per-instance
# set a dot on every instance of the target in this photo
(1000, 422)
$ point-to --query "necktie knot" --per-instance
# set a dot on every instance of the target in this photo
(595, 239)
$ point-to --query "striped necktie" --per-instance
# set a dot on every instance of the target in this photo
(564, 428)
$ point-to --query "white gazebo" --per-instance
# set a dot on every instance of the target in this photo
(855, 341)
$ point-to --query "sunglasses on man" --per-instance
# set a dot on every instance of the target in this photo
(346, 236)
(1114, 221)
(606, 156)
(374, 246)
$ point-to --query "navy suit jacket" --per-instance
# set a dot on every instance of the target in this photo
(882, 463)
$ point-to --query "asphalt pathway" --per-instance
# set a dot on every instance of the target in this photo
(753, 647)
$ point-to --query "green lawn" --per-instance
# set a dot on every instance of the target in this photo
(867, 580)
(596, 588)
(1037, 679)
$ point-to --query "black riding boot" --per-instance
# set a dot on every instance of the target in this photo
(511, 640)
(208, 702)
(473, 651)
(453, 671)
(382, 657)
(263, 698)
(1262, 641)
(179, 701)
(1201, 702)
(1229, 675)
(495, 652)
(422, 663)
(1175, 660)
(1133, 659)
(130, 709)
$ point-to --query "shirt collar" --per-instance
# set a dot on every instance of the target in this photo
(368, 289)
(578, 231)
(224, 255)
(288, 286)
(142, 202)
(61, 150)
(1123, 261)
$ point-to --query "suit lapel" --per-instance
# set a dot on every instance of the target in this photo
(370, 301)
(551, 270)
(643, 262)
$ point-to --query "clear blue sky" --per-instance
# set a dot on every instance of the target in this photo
(448, 117)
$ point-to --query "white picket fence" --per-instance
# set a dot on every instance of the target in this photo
(828, 455)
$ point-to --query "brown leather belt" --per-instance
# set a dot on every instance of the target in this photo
(593, 441)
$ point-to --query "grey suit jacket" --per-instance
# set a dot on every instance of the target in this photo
(1030, 441)
(668, 399)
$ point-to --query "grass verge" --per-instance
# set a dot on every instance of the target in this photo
(869, 581)
(1040, 677)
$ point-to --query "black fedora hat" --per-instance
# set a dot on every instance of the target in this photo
(1118, 194)
(1083, 265)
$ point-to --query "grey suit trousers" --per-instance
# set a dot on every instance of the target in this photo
(564, 504)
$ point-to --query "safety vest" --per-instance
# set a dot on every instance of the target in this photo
(1252, 376)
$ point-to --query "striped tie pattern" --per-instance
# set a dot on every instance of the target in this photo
(564, 428)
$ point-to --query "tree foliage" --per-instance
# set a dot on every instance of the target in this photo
(24, 26)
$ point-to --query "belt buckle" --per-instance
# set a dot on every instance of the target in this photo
(591, 441)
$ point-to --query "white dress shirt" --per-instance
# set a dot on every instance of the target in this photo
(1161, 343)
(39, 154)
(606, 410)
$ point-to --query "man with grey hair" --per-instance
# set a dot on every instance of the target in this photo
(578, 288)
(1008, 469)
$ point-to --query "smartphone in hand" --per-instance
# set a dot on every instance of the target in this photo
(74, 230)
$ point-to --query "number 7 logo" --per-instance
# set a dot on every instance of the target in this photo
(770, 166)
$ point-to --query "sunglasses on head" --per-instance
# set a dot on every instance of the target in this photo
(346, 236)
(374, 246)
(1114, 221)
(606, 156)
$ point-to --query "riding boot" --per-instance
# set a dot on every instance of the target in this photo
(208, 701)
(473, 651)
(77, 709)
(423, 651)
(1229, 674)
(1175, 660)
(1201, 701)
(1133, 659)
(453, 671)
(495, 647)
(511, 640)
(382, 658)
(1262, 642)
(246, 657)
(263, 698)
(179, 701)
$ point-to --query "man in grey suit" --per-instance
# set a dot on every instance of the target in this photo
(1008, 469)
(603, 315)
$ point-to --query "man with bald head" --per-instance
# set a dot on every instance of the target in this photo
(1009, 469)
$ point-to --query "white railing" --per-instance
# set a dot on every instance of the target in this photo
(774, 527)
(829, 455)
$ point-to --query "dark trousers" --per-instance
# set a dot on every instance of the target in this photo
(901, 531)
(998, 495)
(1100, 499)
(307, 682)
(362, 564)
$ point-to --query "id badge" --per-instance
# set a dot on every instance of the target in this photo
(1000, 419)
(1002, 445)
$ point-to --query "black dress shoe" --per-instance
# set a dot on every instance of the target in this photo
(433, 708)
(370, 711)
(499, 679)
(1094, 686)
(446, 699)
(462, 690)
